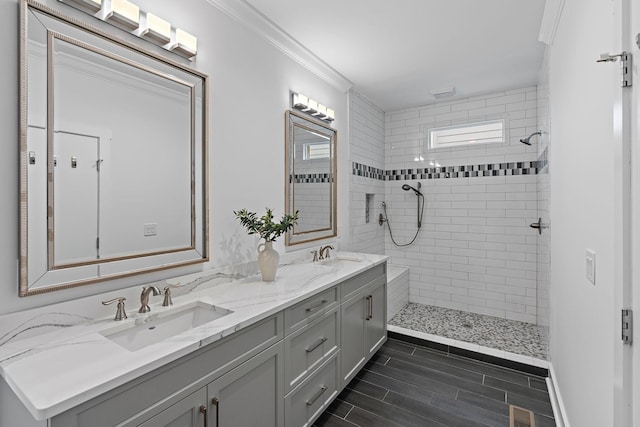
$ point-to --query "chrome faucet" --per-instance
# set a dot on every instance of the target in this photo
(167, 294)
(144, 298)
(120, 313)
(324, 252)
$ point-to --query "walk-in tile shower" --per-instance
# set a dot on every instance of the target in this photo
(475, 252)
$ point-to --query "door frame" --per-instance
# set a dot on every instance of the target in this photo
(625, 131)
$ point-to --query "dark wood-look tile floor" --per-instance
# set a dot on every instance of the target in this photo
(407, 384)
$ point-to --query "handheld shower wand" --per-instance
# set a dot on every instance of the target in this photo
(527, 140)
(384, 218)
(407, 187)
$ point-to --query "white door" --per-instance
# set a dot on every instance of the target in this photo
(75, 197)
(631, 295)
(626, 135)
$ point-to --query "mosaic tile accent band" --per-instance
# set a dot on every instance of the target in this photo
(368, 171)
(465, 171)
(309, 178)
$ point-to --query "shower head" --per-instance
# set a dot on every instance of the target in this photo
(527, 139)
(407, 187)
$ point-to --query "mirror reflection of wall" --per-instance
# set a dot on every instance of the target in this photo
(312, 163)
(311, 174)
(125, 171)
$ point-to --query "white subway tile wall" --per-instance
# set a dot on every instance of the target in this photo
(475, 251)
(366, 127)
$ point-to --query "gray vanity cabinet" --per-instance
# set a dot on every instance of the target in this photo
(165, 392)
(248, 395)
(376, 320)
(282, 371)
(364, 320)
(251, 394)
(188, 412)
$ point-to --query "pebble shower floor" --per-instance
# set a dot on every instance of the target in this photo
(508, 335)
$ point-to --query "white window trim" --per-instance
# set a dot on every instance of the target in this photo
(307, 145)
(435, 146)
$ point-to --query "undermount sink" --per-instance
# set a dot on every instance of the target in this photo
(338, 259)
(158, 327)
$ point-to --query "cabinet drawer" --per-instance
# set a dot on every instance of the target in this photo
(308, 347)
(352, 286)
(307, 401)
(165, 386)
(306, 311)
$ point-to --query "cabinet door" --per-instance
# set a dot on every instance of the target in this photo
(189, 412)
(352, 335)
(376, 318)
(251, 394)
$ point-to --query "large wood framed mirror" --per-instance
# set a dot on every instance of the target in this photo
(311, 177)
(113, 156)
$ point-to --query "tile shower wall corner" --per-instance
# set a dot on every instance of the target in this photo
(366, 127)
(544, 191)
(475, 251)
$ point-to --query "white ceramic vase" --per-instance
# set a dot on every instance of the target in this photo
(268, 259)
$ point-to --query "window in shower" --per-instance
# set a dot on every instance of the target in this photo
(467, 134)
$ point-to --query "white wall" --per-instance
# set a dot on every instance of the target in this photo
(582, 329)
(475, 251)
(246, 144)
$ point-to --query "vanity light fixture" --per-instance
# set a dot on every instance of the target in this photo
(185, 44)
(300, 101)
(157, 29)
(310, 106)
(124, 13)
(322, 111)
(331, 115)
(91, 6)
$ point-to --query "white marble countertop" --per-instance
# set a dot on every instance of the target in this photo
(56, 358)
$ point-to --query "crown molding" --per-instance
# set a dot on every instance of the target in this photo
(251, 18)
(550, 20)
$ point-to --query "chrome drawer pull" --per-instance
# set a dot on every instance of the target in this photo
(369, 307)
(314, 308)
(203, 411)
(317, 396)
(215, 402)
(316, 344)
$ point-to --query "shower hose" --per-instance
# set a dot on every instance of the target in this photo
(420, 213)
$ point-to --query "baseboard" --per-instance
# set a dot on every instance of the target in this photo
(559, 411)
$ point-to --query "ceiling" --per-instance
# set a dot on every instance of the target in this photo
(396, 52)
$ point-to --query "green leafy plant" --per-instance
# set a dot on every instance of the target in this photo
(264, 225)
